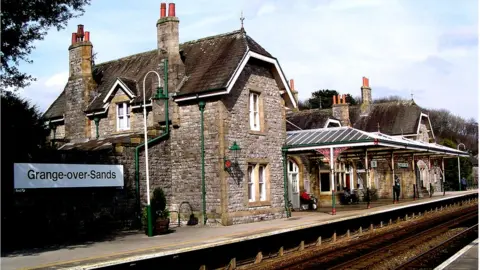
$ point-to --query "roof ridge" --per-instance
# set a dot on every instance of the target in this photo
(211, 37)
(124, 58)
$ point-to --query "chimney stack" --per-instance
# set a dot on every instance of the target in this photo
(366, 91)
(80, 85)
(340, 109)
(294, 92)
(168, 44)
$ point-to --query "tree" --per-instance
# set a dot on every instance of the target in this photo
(23, 137)
(326, 98)
(25, 21)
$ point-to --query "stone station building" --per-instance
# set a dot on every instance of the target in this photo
(230, 89)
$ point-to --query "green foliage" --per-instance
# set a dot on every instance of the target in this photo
(158, 204)
(326, 98)
(451, 168)
(23, 23)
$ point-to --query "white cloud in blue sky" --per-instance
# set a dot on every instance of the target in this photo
(427, 47)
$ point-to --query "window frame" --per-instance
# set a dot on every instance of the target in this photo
(124, 117)
(261, 190)
(254, 111)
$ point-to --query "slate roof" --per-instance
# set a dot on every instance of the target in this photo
(308, 119)
(57, 108)
(209, 64)
(393, 118)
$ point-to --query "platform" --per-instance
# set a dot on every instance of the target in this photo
(466, 258)
(133, 247)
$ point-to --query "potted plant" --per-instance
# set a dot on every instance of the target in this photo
(160, 212)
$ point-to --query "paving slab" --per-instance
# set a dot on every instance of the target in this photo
(133, 247)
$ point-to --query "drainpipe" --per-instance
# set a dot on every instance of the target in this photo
(160, 95)
(97, 121)
(201, 106)
(285, 189)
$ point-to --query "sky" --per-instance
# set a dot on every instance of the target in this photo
(427, 48)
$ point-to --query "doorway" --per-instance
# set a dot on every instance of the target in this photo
(293, 185)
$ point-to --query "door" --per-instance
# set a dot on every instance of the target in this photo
(293, 185)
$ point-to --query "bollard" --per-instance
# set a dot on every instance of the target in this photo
(258, 258)
(233, 264)
(413, 215)
(398, 219)
(334, 211)
(319, 241)
(371, 227)
(390, 222)
(280, 252)
(360, 230)
(393, 193)
(302, 246)
(348, 233)
(334, 236)
(381, 224)
(406, 217)
(368, 198)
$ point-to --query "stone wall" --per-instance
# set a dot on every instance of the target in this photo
(59, 132)
(186, 160)
(263, 146)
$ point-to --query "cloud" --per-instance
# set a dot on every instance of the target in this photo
(429, 47)
(266, 9)
(45, 90)
(57, 80)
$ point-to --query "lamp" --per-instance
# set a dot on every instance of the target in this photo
(235, 148)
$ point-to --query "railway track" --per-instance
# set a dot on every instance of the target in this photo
(362, 251)
(375, 258)
(439, 253)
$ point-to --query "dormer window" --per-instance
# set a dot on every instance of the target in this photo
(123, 116)
(254, 110)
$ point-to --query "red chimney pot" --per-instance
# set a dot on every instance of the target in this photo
(365, 82)
(344, 98)
(171, 10)
(80, 31)
(74, 38)
(292, 85)
(163, 10)
(334, 99)
(87, 36)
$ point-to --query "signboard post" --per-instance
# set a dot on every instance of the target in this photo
(48, 175)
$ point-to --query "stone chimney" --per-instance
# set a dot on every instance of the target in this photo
(366, 92)
(294, 91)
(80, 85)
(340, 110)
(168, 44)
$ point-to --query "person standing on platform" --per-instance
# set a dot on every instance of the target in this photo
(396, 189)
(464, 183)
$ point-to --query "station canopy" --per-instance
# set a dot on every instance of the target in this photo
(315, 139)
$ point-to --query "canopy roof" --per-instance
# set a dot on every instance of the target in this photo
(312, 139)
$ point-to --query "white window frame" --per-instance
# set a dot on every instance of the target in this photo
(251, 182)
(262, 183)
(123, 118)
(254, 111)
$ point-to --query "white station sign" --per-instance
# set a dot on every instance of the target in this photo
(48, 175)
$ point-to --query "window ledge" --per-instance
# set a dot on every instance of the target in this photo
(257, 132)
(259, 203)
